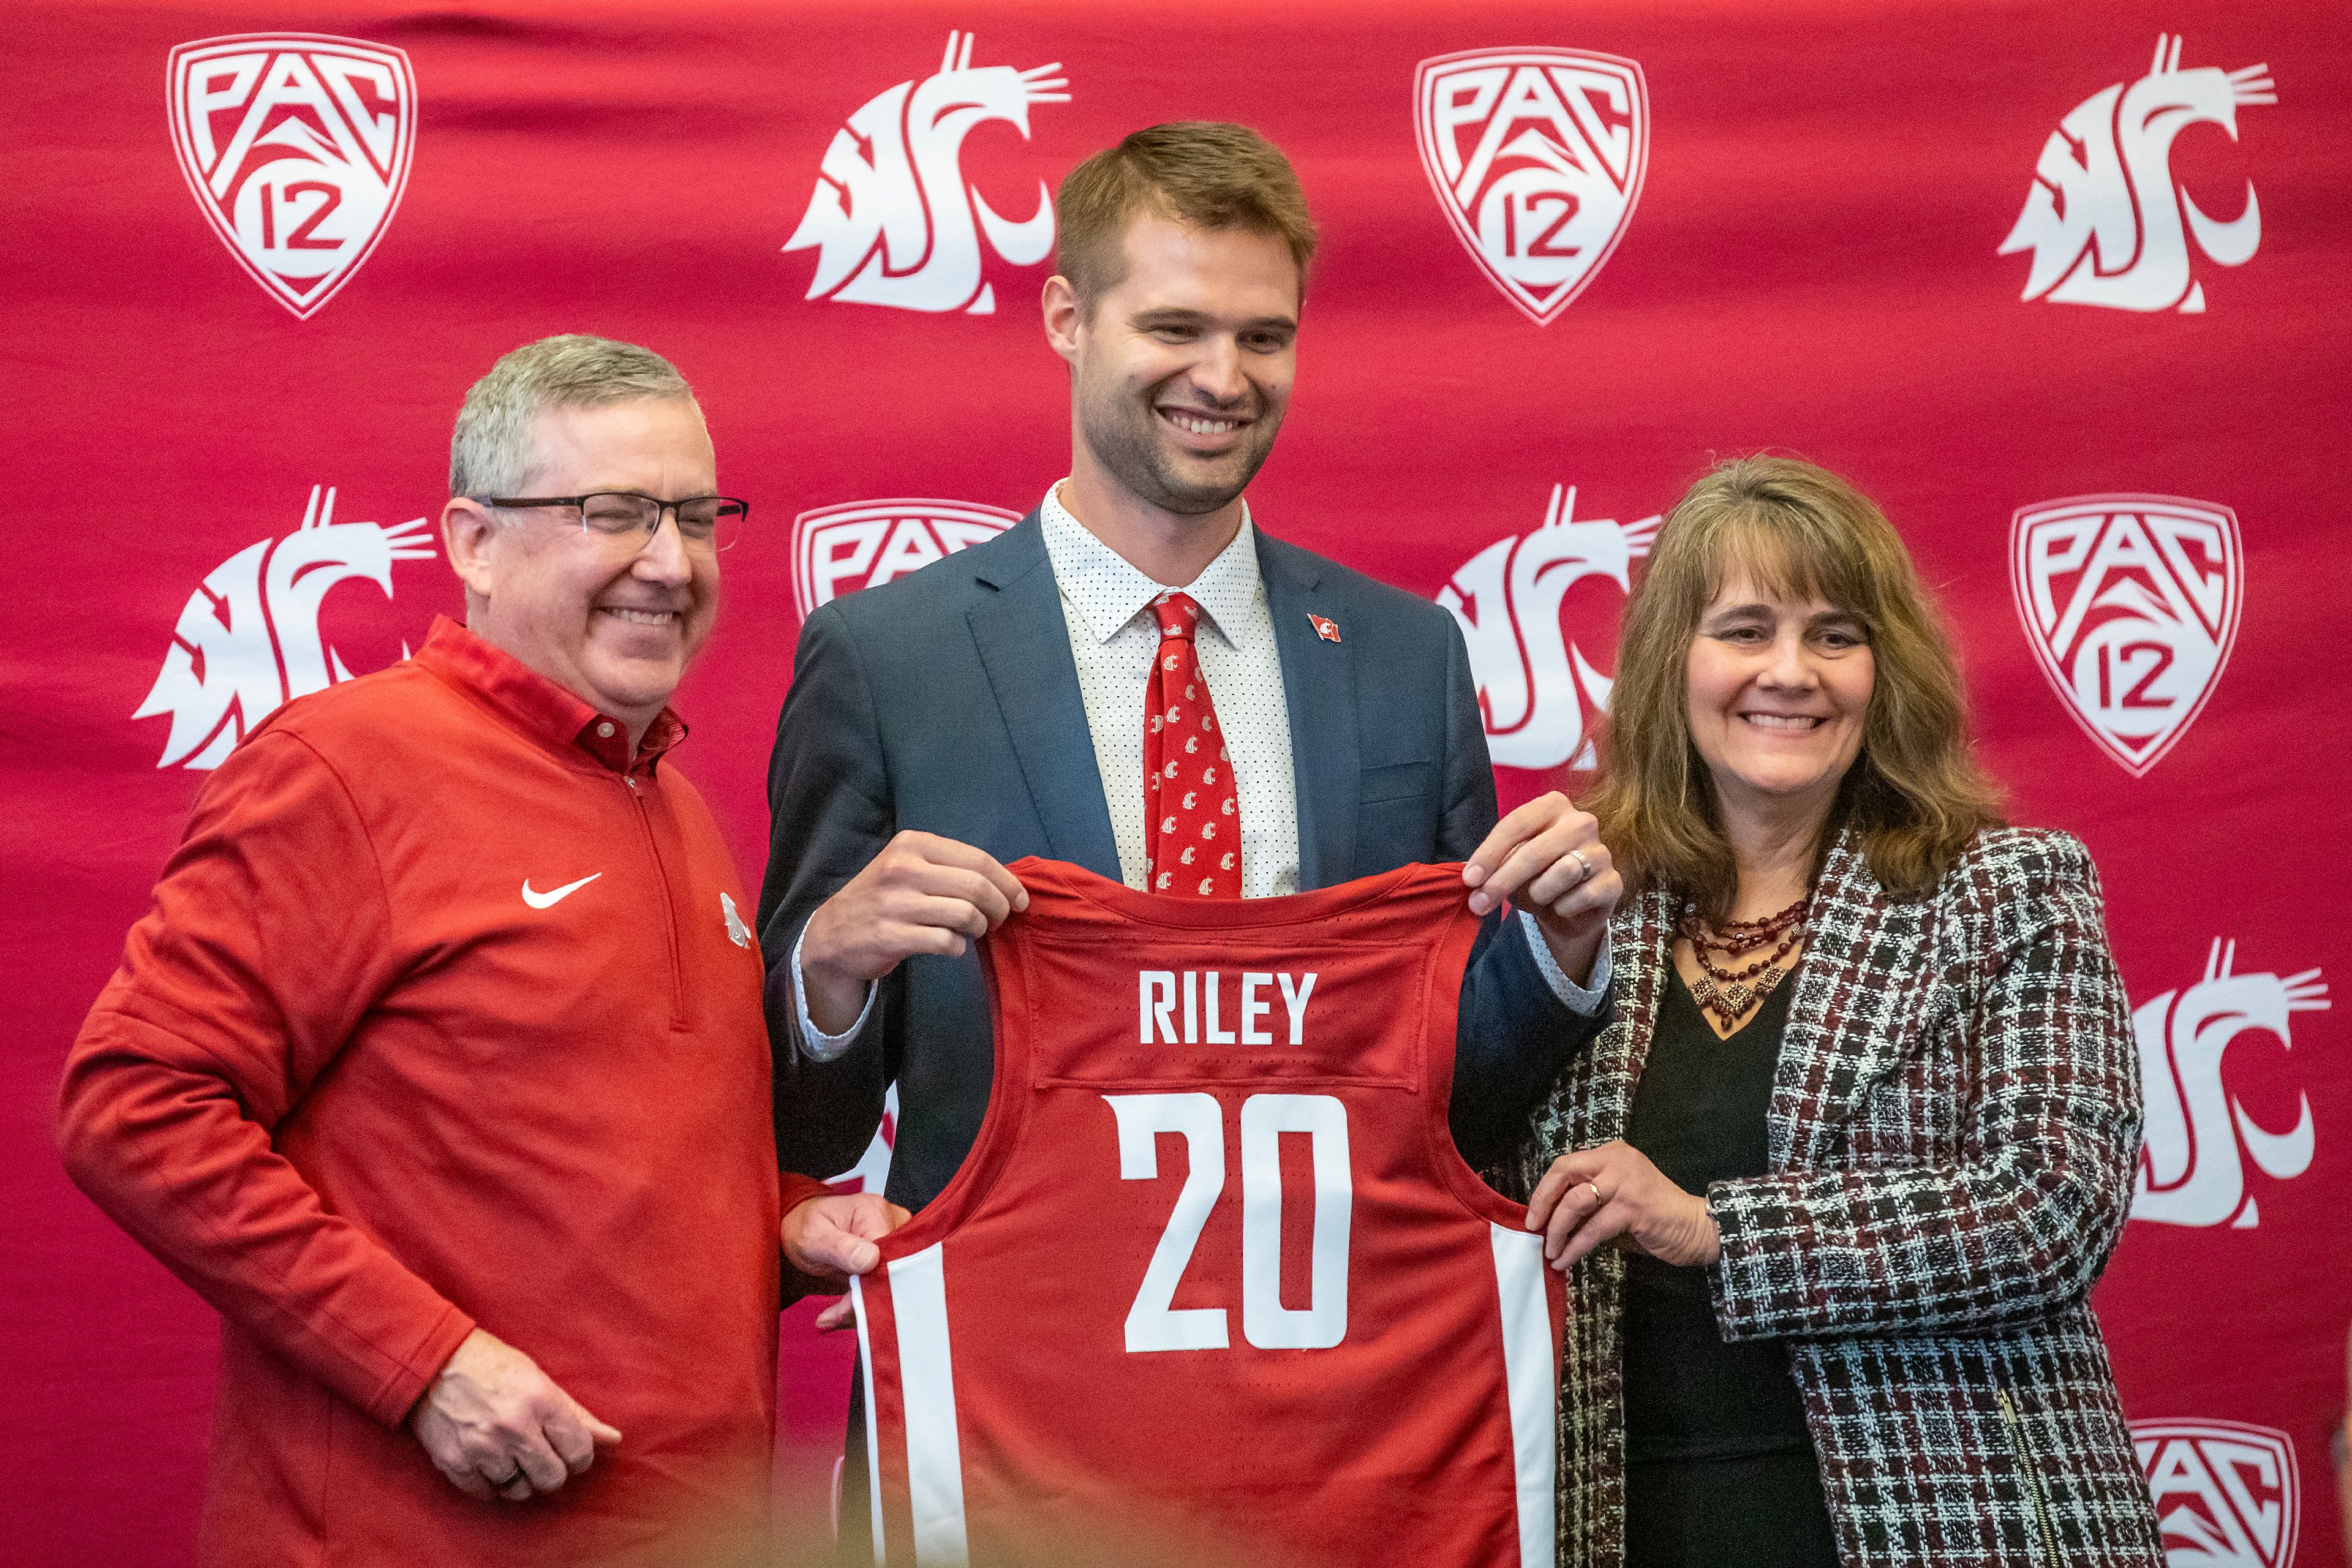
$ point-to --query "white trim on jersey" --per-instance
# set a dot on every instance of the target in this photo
(872, 1462)
(918, 1301)
(1528, 1372)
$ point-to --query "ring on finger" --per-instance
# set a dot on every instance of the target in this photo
(1583, 867)
(1598, 1200)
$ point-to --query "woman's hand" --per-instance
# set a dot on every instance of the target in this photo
(1613, 1192)
(1546, 856)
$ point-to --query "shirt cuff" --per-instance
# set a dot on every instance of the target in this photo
(795, 1189)
(815, 1043)
(1582, 999)
(398, 1399)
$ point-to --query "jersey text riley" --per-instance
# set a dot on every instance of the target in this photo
(1157, 1007)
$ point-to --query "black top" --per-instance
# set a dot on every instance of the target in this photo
(1699, 1114)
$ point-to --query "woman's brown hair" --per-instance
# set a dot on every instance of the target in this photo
(1914, 795)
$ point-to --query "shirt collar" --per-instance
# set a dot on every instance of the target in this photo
(1107, 590)
(537, 705)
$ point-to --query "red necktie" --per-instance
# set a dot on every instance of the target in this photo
(1195, 847)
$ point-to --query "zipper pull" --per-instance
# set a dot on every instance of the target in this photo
(630, 779)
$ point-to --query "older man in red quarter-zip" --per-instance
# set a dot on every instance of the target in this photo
(438, 1066)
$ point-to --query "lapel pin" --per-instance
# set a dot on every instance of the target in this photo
(1325, 627)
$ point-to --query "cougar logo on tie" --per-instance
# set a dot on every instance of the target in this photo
(1537, 157)
(2103, 217)
(248, 639)
(2227, 1494)
(837, 550)
(1534, 681)
(893, 219)
(296, 147)
(2199, 1136)
(2131, 602)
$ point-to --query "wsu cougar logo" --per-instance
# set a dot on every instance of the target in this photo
(893, 219)
(2131, 604)
(1537, 156)
(2199, 1136)
(872, 1172)
(297, 146)
(2103, 217)
(248, 639)
(837, 550)
(1534, 683)
(2226, 1494)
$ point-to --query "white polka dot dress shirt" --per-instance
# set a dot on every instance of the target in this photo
(1113, 637)
(1105, 602)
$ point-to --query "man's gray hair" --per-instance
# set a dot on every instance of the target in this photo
(490, 453)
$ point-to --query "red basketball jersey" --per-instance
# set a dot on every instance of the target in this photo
(1214, 1270)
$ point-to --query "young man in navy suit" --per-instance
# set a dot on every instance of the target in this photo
(992, 705)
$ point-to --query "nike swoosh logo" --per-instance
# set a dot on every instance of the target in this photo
(550, 898)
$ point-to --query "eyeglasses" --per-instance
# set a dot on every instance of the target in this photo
(704, 523)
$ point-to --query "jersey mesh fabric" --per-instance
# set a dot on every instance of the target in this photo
(1214, 1275)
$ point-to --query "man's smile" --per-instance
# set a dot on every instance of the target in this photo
(1211, 429)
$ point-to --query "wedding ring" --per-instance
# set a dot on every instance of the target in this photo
(1583, 867)
(1598, 1200)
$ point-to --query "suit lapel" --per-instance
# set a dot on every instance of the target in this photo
(1023, 644)
(1858, 1007)
(1319, 688)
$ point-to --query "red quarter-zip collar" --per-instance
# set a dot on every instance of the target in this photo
(537, 705)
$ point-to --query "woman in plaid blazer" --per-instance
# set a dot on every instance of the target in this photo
(1951, 1117)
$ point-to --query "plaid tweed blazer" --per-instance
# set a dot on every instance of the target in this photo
(1952, 1130)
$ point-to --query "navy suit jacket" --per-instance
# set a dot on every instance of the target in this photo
(948, 702)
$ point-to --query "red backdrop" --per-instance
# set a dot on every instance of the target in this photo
(1985, 260)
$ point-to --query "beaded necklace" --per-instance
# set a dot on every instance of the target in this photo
(1729, 992)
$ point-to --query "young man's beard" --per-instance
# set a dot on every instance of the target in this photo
(1124, 437)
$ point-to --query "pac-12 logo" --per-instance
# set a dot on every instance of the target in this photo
(1537, 155)
(2227, 1494)
(2103, 217)
(1534, 684)
(864, 543)
(297, 146)
(2200, 1137)
(249, 641)
(893, 219)
(2131, 602)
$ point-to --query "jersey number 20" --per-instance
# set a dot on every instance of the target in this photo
(1153, 1323)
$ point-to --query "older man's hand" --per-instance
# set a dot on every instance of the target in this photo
(830, 1239)
(1547, 857)
(497, 1426)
